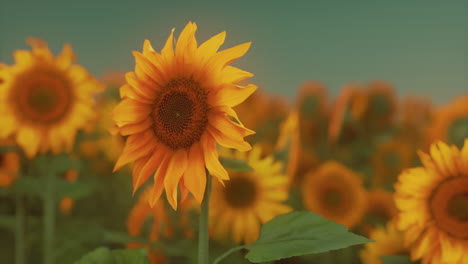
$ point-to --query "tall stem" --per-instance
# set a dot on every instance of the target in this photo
(203, 240)
(49, 218)
(19, 230)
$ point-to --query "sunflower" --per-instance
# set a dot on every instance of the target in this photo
(382, 105)
(389, 160)
(348, 110)
(175, 107)
(380, 209)
(311, 104)
(45, 99)
(388, 242)
(450, 122)
(265, 114)
(415, 115)
(249, 199)
(9, 167)
(336, 193)
(433, 205)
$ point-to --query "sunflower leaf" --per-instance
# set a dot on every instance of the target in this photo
(396, 260)
(119, 256)
(300, 233)
(235, 164)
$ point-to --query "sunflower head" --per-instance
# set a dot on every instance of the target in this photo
(312, 108)
(336, 193)
(381, 105)
(44, 99)
(176, 106)
(248, 199)
(450, 122)
(433, 205)
(347, 113)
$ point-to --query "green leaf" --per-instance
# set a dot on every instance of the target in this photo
(235, 164)
(300, 233)
(396, 260)
(119, 256)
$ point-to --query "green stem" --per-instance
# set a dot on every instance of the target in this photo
(227, 253)
(49, 218)
(19, 231)
(203, 240)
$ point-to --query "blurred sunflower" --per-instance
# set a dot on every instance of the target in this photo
(253, 109)
(336, 193)
(450, 122)
(265, 114)
(175, 107)
(45, 99)
(109, 141)
(348, 111)
(415, 114)
(388, 242)
(380, 209)
(249, 199)
(382, 105)
(304, 162)
(9, 167)
(161, 226)
(433, 205)
(66, 203)
(312, 107)
(389, 160)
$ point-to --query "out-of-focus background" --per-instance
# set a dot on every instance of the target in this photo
(420, 47)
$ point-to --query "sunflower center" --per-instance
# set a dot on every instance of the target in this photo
(458, 131)
(2, 160)
(449, 206)
(457, 207)
(240, 192)
(380, 105)
(42, 97)
(180, 113)
(333, 197)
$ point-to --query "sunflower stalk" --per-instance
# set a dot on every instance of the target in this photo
(19, 230)
(203, 239)
(49, 217)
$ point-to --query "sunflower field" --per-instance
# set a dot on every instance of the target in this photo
(183, 160)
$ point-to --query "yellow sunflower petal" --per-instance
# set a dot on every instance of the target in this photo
(65, 58)
(149, 168)
(129, 111)
(137, 146)
(211, 158)
(232, 95)
(211, 46)
(29, 140)
(233, 75)
(159, 176)
(229, 140)
(175, 169)
(195, 178)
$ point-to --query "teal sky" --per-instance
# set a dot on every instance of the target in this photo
(419, 46)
